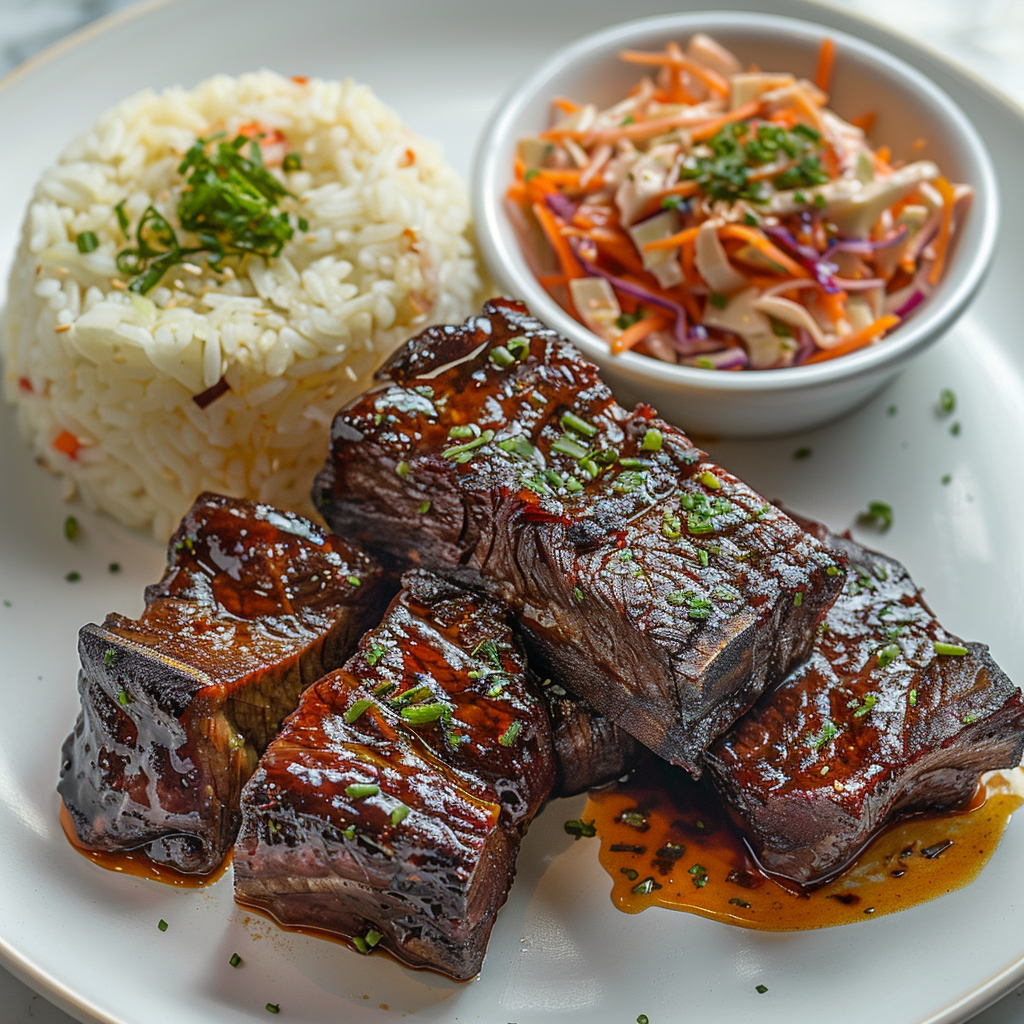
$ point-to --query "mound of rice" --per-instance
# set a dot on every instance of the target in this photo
(105, 380)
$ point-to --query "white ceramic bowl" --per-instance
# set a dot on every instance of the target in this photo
(767, 402)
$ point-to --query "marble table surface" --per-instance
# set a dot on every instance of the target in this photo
(985, 35)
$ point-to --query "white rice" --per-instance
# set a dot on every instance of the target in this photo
(386, 253)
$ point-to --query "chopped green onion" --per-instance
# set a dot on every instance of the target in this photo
(878, 515)
(802, 453)
(374, 654)
(399, 814)
(87, 242)
(700, 875)
(912, 698)
(423, 714)
(737, 902)
(459, 450)
(954, 429)
(954, 650)
(501, 357)
(518, 446)
(361, 790)
(580, 829)
(122, 217)
(114, 567)
(709, 480)
(570, 421)
(356, 710)
(833, 570)
(423, 507)
(355, 581)
(464, 431)
(645, 888)
(947, 479)
(578, 594)
(829, 731)
(372, 937)
(109, 656)
(761, 989)
(519, 346)
(403, 469)
(565, 445)
(508, 737)
(870, 700)
(236, 960)
(970, 718)
(718, 300)
(947, 401)
(798, 599)
(123, 699)
(703, 556)
(652, 440)
(888, 654)
(162, 925)
(291, 162)
(273, 1007)
(73, 576)
(360, 943)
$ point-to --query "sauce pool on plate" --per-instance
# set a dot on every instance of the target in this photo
(668, 842)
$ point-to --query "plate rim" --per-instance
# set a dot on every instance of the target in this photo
(23, 967)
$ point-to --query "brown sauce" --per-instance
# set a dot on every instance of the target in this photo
(694, 859)
(137, 864)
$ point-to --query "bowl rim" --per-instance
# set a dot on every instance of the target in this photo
(926, 326)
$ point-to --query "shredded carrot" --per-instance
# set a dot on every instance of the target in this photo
(855, 341)
(882, 156)
(834, 305)
(708, 128)
(636, 333)
(552, 230)
(67, 443)
(755, 238)
(942, 242)
(570, 178)
(826, 61)
(299, 79)
(553, 280)
(566, 106)
(517, 192)
(678, 239)
(865, 122)
(712, 79)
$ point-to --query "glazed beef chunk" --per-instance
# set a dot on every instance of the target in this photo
(390, 807)
(891, 715)
(255, 605)
(656, 586)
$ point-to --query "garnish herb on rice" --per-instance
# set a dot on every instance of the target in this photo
(229, 202)
(727, 219)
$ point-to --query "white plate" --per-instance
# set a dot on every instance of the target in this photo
(88, 938)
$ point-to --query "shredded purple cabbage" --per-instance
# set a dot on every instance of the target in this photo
(579, 247)
(911, 304)
(864, 248)
(808, 258)
(561, 206)
(723, 359)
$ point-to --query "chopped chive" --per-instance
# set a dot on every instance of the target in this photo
(354, 580)
(829, 731)
(652, 440)
(802, 453)
(464, 432)
(122, 217)
(374, 654)
(162, 925)
(954, 428)
(501, 357)
(361, 790)
(356, 710)
(947, 479)
(954, 650)
(703, 556)
(109, 656)
(629, 873)
(414, 695)
(360, 943)
(912, 698)
(508, 737)
(892, 410)
(700, 875)
(114, 567)
(73, 577)
(578, 594)
(399, 814)
(423, 507)
(273, 1007)
(737, 902)
(580, 829)
(798, 599)
(572, 485)
(291, 162)
(236, 960)
(870, 700)
(947, 401)
(709, 480)
(424, 714)
(969, 719)
(570, 421)
(833, 570)
(123, 699)
(518, 446)
(643, 1019)
(87, 242)
(372, 937)
(761, 989)
(403, 469)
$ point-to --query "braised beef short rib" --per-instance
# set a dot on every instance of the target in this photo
(891, 715)
(255, 605)
(654, 584)
(390, 807)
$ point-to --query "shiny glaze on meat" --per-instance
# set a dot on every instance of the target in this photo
(426, 855)
(177, 705)
(647, 580)
(874, 726)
